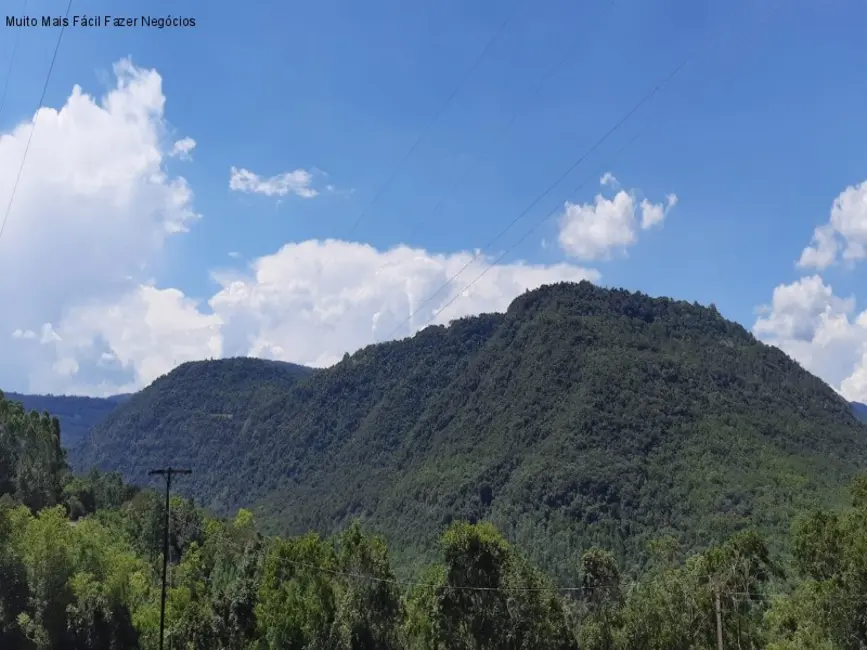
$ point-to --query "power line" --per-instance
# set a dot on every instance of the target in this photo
(413, 583)
(611, 131)
(545, 78)
(703, 579)
(11, 63)
(644, 100)
(35, 120)
(730, 593)
(500, 257)
(436, 117)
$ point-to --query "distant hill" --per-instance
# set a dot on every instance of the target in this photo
(77, 415)
(860, 411)
(187, 418)
(581, 415)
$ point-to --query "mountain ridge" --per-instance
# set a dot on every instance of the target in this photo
(580, 415)
(234, 386)
(77, 414)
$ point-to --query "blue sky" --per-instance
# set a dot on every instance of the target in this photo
(756, 136)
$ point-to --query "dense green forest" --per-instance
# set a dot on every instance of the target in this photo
(77, 415)
(580, 417)
(80, 558)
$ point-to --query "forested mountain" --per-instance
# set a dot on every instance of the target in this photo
(77, 415)
(188, 417)
(860, 411)
(95, 585)
(580, 416)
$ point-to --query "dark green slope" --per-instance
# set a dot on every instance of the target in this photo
(77, 415)
(581, 415)
(860, 411)
(191, 417)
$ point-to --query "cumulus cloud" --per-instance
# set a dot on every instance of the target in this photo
(845, 233)
(820, 330)
(807, 320)
(94, 204)
(312, 301)
(183, 148)
(609, 179)
(82, 314)
(296, 182)
(652, 214)
(308, 302)
(597, 230)
(141, 336)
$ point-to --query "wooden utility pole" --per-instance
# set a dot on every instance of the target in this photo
(167, 474)
(719, 638)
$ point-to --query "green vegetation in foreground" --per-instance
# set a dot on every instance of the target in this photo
(77, 415)
(580, 417)
(95, 585)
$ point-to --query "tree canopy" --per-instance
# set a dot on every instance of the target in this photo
(80, 570)
(580, 417)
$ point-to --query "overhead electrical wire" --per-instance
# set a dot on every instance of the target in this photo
(498, 136)
(611, 131)
(508, 250)
(35, 121)
(396, 581)
(421, 135)
(626, 117)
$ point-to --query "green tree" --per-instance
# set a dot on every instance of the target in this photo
(296, 608)
(602, 597)
(485, 596)
(368, 602)
(14, 594)
(830, 554)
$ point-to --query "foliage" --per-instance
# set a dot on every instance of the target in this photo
(32, 462)
(581, 417)
(192, 416)
(93, 582)
(485, 595)
(77, 415)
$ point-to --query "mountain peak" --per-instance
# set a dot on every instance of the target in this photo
(582, 414)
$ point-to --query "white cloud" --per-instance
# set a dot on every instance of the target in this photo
(609, 179)
(652, 214)
(94, 205)
(182, 149)
(594, 231)
(145, 334)
(308, 303)
(846, 230)
(808, 321)
(86, 232)
(821, 331)
(297, 182)
(48, 334)
(234, 254)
